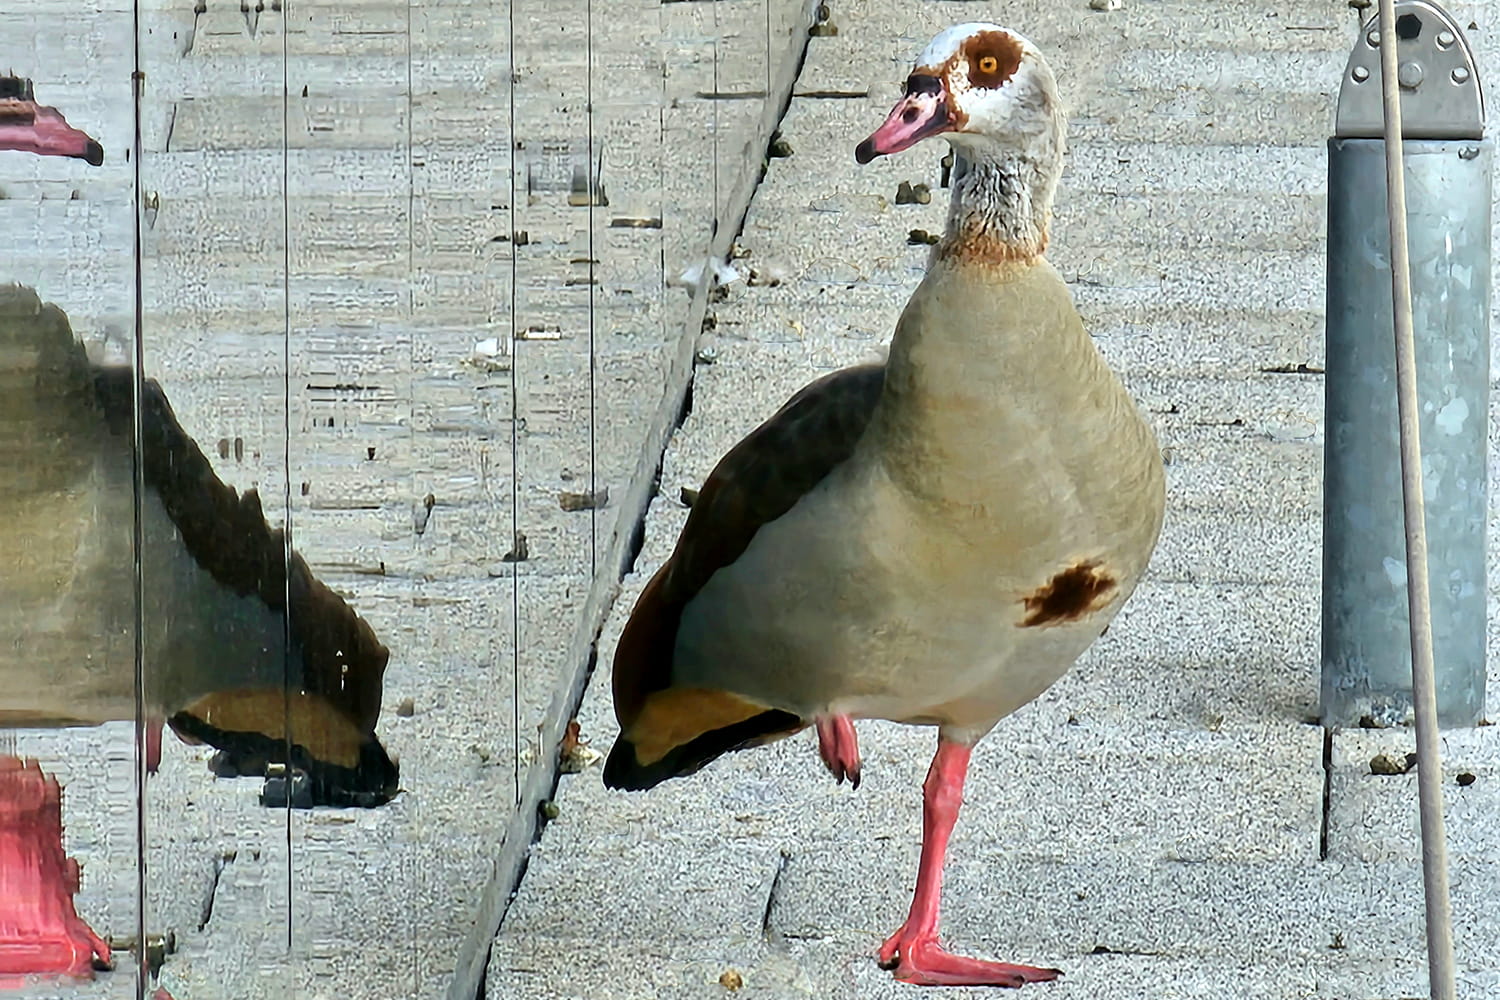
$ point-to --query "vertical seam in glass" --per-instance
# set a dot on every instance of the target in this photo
(515, 465)
(286, 442)
(138, 489)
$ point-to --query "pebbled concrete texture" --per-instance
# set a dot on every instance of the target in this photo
(1161, 822)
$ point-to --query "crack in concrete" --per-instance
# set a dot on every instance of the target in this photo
(772, 894)
(221, 862)
(1327, 793)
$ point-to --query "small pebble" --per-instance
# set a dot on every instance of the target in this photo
(1106, 5)
(1465, 779)
(732, 980)
(688, 496)
(519, 552)
(779, 149)
(1384, 763)
(917, 237)
(407, 708)
(570, 501)
(768, 276)
(420, 515)
(908, 193)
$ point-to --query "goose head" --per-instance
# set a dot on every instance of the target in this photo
(984, 88)
(989, 92)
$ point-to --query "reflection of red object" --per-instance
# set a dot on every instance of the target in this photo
(30, 127)
(40, 932)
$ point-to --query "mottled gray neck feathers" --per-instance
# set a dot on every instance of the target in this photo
(1001, 207)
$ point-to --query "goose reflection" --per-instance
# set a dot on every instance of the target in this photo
(244, 649)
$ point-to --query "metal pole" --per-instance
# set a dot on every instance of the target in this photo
(1440, 967)
(1447, 165)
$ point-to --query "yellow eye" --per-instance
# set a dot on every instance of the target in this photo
(988, 64)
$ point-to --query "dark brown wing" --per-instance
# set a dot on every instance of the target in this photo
(668, 730)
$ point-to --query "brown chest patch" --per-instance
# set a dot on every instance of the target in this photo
(973, 244)
(1070, 595)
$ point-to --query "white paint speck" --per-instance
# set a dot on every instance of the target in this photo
(1450, 419)
(1395, 571)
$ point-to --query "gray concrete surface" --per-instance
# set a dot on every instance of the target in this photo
(1156, 824)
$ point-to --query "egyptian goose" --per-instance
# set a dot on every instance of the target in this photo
(225, 663)
(934, 540)
(30, 127)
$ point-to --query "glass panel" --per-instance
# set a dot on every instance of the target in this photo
(559, 207)
(68, 774)
(405, 319)
(214, 410)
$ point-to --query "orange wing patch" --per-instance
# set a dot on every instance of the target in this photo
(327, 733)
(1070, 596)
(676, 716)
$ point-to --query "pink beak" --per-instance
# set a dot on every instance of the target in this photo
(33, 128)
(919, 114)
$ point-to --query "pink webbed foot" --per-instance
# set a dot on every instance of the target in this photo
(40, 932)
(913, 951)
(839, 747)
(919, 959)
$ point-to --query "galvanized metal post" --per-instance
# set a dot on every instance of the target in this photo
(1366, 663)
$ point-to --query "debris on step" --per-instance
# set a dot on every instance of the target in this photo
(1385, 763)
(519, 552)
(908, 193)
(575, 754)
(570, 501)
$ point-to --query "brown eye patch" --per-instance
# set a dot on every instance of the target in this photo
(993, 57)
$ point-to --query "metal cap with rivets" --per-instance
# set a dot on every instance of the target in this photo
(1440, 93)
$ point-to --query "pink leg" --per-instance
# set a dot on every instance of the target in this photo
(913, 951)
(839, 747)
(40, 932)
(154, 725)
